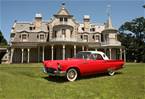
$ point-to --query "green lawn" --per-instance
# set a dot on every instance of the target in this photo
(27, 81)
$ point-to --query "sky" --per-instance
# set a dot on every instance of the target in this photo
(25, 10)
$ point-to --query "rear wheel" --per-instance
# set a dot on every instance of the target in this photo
(72, 74)
(111, 72)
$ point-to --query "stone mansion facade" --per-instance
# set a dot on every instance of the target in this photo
(61, 37)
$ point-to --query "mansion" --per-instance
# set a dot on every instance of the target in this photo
(61, 37)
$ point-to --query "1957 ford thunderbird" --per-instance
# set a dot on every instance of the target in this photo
(84, 63)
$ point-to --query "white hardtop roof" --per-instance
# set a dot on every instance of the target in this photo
(94, 52)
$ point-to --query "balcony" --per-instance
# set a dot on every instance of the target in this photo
(107, 43)
(64, 39)
(62, 23)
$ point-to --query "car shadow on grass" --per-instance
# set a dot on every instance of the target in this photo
(100, 75)
(63, 79)
(56, 79)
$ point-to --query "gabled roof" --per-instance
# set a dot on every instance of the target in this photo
(63, 11)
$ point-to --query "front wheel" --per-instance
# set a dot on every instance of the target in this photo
(111, 72)
(72, 74)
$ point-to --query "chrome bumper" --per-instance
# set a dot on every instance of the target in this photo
(56, 73)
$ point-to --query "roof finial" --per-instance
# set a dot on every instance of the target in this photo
(109, 22)
(108, 9)
(63, 5)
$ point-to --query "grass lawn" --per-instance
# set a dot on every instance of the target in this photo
(27, 81)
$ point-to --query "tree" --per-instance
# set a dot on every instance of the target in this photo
(2, 40)
(144, 6)
(132, 36)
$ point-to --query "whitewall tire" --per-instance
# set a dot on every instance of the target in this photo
(72, 74)
(111, 72)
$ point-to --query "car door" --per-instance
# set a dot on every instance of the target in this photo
(99, 64)
(91, 65)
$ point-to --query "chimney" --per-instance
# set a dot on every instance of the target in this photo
(38, 20)
(86, 22)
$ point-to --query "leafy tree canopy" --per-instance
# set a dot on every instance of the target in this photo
(2, 40)
(132, 36)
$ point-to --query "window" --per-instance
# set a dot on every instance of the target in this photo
(83, 28)
(102, 38)
(97, 38)
(63, 33)
(86, 37)
(41, 36)
(92, 29)
(71, 33)
(93, 37)
(12, 35)
(65, 19)
(32, 28)
(24, 37)
(81, 37)
(61, 19)
(99, 57)
(55, 34)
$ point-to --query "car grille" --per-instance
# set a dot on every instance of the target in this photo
(50, 70)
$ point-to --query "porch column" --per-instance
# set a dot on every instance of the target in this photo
(110, 53)
(74, 50)
(52, 52)
(28, 58)
(120, 53)
(82, 48)
(38, 54)
(63, 52)
(124, 55)
(96, 49)
(12, 52)
(43, 49)
(22, 59)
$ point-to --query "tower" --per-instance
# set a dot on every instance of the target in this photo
(109, 33)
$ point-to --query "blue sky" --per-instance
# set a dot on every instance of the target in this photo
(25, 10)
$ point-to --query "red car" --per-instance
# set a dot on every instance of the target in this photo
(84, 63)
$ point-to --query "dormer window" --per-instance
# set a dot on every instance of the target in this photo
(24, 37)
(32, 28)
(92, 29)
(41, 36)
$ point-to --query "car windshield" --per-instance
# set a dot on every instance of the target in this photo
(88, 55)
(83, 55)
